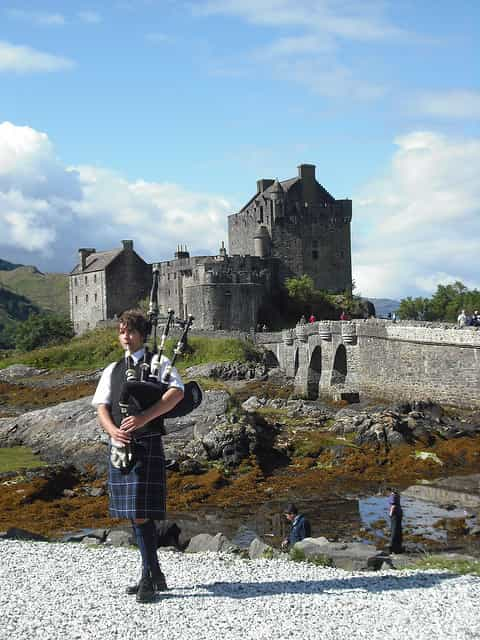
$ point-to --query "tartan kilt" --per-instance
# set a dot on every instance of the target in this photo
(142, 493)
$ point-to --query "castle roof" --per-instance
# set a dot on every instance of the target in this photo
(286, 185)
(97, 261)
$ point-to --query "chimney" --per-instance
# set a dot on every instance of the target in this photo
(127, 245)
(306, 172)
(263, 184)
(181, 252)
(82, 257)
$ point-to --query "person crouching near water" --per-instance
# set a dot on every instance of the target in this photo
(299, 526)
(396, 514)
(139, 495)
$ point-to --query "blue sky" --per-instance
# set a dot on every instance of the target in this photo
(152, 120)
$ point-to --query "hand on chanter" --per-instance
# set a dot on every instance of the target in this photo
(132, 423)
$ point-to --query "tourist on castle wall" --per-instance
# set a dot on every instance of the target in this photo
(312, 319)
(303, 320)
(137, 493)
(299, 526)
(462, 319)
(396, 514)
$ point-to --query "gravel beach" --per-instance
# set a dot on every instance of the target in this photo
(72, 591)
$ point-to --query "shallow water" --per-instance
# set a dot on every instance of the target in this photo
(334, 518)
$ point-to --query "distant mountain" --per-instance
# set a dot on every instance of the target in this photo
(14, 306)
(8, 266)
(384, 306)
(48, 291)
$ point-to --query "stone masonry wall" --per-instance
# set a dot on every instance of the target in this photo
(129, 279)
(386, 360)
(87, 300)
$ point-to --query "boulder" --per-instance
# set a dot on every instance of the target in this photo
(65, 433)
(120, 538)
(229, 371)
(15, 533)
(258, 549)
(352, 556)
(205, 542)
(253, 404)
(89, 535)
(16, 371)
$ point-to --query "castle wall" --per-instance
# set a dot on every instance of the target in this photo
(128, 280)
(309, 232)
(87, 292)
(385, 360)
(221, 306)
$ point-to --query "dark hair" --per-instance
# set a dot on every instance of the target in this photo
(291, 508)
(135, 320)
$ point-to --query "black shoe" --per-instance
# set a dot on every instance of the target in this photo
(145, 592)
(159, 584)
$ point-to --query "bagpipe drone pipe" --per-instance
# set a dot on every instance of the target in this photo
(138, 394)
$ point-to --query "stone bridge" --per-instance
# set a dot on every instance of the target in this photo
(380, 359)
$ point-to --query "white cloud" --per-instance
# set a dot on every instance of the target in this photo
(347, 19)
(419, 224)
(37, 17)
(307, 38)
(449, 104)
(50, 210)
(23, 59)
(90, 17)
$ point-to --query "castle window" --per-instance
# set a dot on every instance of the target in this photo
(261, 214)
(95, 297)
(76, 300)
(75, 281)
(86, 279)
(94, 277)
(86, 298)
(315, 254)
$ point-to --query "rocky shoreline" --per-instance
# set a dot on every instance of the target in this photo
(248, 442)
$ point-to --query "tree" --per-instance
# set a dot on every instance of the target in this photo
(42, 329)
(444, 305)
(301, 289)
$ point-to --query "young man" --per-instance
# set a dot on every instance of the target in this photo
(139, 495)
(299, 526)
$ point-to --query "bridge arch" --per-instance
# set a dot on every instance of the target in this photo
(270, 359)
(339, 370)
(296, 363)
(314, 373)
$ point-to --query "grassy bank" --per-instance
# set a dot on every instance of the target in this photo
(17, 458)
(95, 349)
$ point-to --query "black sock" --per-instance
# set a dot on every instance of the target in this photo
(146, 534)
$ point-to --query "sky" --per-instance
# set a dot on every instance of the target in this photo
(152, 120)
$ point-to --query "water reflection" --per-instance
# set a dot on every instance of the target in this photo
(419, 516)
(335, 518)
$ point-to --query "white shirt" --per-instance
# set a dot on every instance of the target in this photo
(103, 393)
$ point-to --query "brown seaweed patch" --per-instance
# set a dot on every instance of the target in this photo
(22, 395)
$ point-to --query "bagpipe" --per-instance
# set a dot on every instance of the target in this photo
(142, 389)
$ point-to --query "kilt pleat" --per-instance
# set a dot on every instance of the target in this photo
(142, 493)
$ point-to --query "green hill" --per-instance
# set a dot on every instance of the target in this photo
(48, 291)
(14, 308)
(8, 266)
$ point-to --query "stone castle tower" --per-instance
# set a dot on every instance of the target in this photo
(299, 223)
(286, 229)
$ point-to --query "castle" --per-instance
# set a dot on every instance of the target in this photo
(286, 229)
